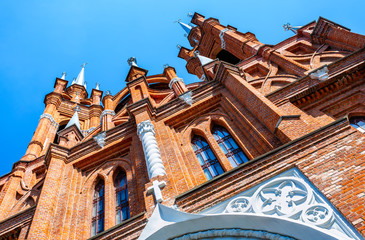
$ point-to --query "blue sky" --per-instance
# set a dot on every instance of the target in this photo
(41, 39)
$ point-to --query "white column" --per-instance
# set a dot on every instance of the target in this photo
(146, 133)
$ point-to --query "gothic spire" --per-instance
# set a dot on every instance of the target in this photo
(75, 119)
(80, 80)
(63, 76)
(203, 60)
(185, 26)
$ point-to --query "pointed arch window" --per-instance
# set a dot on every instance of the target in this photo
(121, 193)
(229, 146)
(358, 122)
(98, 213)
(207, 159)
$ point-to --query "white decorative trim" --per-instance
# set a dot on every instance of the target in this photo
(203, 78)
(229, 233)
(174, 80)
(187, 97)
(321, 74)
(146, 133)
(291, 196)
(107, 112)
(221, 36)
(49, 117)
(100, 139)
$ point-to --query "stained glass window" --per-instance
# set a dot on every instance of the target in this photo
(207, 159)
(229, 146)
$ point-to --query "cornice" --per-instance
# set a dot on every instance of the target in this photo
(56, 151)
(53, 98)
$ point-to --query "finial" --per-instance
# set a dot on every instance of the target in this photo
(63, 75)
(190, 15)
(178, 46)
(196, 53)
(85, 84)
(132, 61)
(166, 65)
(77, 108)
(108, 92)
(97, 86)
(288, 27)
(73, 81)
(83, 65)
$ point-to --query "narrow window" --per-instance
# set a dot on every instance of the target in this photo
(121, 193)
(358, 122)
(98, 209)
(229, 146)
(207, 159)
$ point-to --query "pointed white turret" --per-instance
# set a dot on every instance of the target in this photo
(187, 28)
(97, 86)
(75, 119)
(63, 76)
(80, 80)
(203, 60)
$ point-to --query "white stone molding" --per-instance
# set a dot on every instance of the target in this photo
(107, 112)
(156, 190)
(174, 80)
(221, 36)
(291, 196)
(146, 133)
(49, 117)
(100, 139)
(321, 74)
(203, 78)
(231, 234)
(169, 223)
(187, 97)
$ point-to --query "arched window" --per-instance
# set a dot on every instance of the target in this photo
(98, 209)
(121, 193)
(207, 160)
(358, 122)
(230, 148)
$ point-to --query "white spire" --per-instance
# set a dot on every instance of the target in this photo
(203, 60)
(80, 80)
(97, 86)
(63, 75)
(75, 119)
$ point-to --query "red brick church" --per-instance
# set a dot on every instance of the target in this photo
(269, 144)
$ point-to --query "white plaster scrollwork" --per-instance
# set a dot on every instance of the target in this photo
(319, 215)
(146, 133)
(321, 74)
(49, 117)
(107, 112)
(187, 97)
(288, 196)
(221, 36)
(239, 205)
(100, 139)
(283, 197)
(174, 80)
(231, 234)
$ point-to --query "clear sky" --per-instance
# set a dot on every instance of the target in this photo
(41, 39)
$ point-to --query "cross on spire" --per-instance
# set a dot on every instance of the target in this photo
(156, 190)
(83, 65)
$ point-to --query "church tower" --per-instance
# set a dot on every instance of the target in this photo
(269, 144)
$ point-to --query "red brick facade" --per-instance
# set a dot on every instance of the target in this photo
(269, 98)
